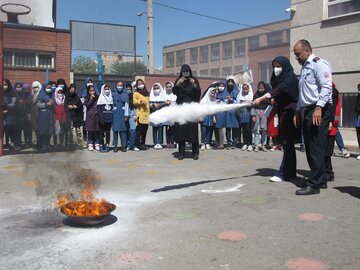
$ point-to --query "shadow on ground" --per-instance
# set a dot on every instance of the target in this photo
(353, 191)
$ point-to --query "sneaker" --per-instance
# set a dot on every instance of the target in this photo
(107, 148)
(358, 157)
(264, 149)
(244, 147)
(345, 153)
(90, 147)
(273, 149)
(202, 147)
(256, 149)
(207, 146)
(275, 179)
(159, 146)
(136, 149)
(97, 147)
(250, 148)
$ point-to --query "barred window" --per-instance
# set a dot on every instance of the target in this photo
(29, 59)
(45, 60)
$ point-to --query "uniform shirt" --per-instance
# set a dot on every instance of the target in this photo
(315, 83)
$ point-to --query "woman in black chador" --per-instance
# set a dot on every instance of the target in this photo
(187, 90)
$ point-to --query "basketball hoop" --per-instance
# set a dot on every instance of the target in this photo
(13, 10)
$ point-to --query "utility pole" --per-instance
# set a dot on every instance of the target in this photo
(150, 56)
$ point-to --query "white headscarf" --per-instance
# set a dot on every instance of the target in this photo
(59, 100)
(248, 97)
(172, 96)
(157, 97)
(206, 98)
(104, 99)
(35, 95)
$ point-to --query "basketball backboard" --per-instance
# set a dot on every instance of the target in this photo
(32, 12)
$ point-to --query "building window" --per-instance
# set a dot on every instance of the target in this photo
(239, 47)
(29, 59)
(227, 50)
(170, 59)
(204, 72)
(215, 52)
(204, 54)
(254, 42)
(180, 58)
(194, 55)
(226, 71)
(342, 7)
(275, 38)
(215, 72)
(265, 71)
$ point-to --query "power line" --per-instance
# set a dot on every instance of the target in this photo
(206, 16)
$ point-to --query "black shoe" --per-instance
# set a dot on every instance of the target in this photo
(307, 190)
(323, 186)
(180, 157)
(142, 147)
(123, 149)
(195, 157)
(332, 178)
(116, 149)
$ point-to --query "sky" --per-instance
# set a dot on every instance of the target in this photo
(172, 26)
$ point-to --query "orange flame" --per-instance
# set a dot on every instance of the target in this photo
(88, 205)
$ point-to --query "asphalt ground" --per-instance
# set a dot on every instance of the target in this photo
(219, 212)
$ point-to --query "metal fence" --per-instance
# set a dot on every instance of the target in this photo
(348, 101)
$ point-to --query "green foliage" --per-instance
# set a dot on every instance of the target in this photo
(128, 68)
(84, 64)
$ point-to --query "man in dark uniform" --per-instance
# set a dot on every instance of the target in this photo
(187, 90)
(315, 88)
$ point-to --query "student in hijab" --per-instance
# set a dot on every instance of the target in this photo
(259, 118)
(61, 83)
(187, 90)
(60, 121)
(209, 121)
(157, 102)
(11, 116)
(285, 92)
(24, 96)
(36, 87)
(220, 123)
(131, 123)
(243, 114)
(120, 115)
(357, 117)
(105, 107)
(170, 127)
(45, 104)
(232, 123)
(74, 115)
(92, 118)
(142, 105)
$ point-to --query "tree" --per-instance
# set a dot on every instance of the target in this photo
(128, 68)
(84, 64)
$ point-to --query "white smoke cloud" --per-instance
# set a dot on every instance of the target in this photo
(190, 112)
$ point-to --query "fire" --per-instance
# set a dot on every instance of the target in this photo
(87, 206)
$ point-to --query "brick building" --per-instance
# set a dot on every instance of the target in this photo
(30, 50)
(232, 52)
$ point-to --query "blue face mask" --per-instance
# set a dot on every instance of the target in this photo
(120, 88)
(61, 85)
(53, 88)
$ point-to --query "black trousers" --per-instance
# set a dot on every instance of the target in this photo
(358, 135)
(315, 138)
(141, 130)
(195, 148)
(246, 133)
(104, 134)
(329, 152)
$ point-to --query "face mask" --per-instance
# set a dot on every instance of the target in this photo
(230, 87)
(88, 84)
(186, 73)
(48, 90)
(5, 87)
(129, 91)
(59, 95)
(18, 89)
(119, 88)
(61, 85)
(221, 88)
(261, 90)
(106, 92)
(277, 71)
(168, 89)
(140, 86)
(157, 91)
(53, 88)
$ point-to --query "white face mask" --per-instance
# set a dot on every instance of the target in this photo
(221, 88)
(88, 84)
(277, 71)
(5, 87)
(140, 86)
(119, 88)
(60, 95)
(48, 90)
(106, 92)
(157, 91)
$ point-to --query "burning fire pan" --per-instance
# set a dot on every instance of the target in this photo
(88, 220)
